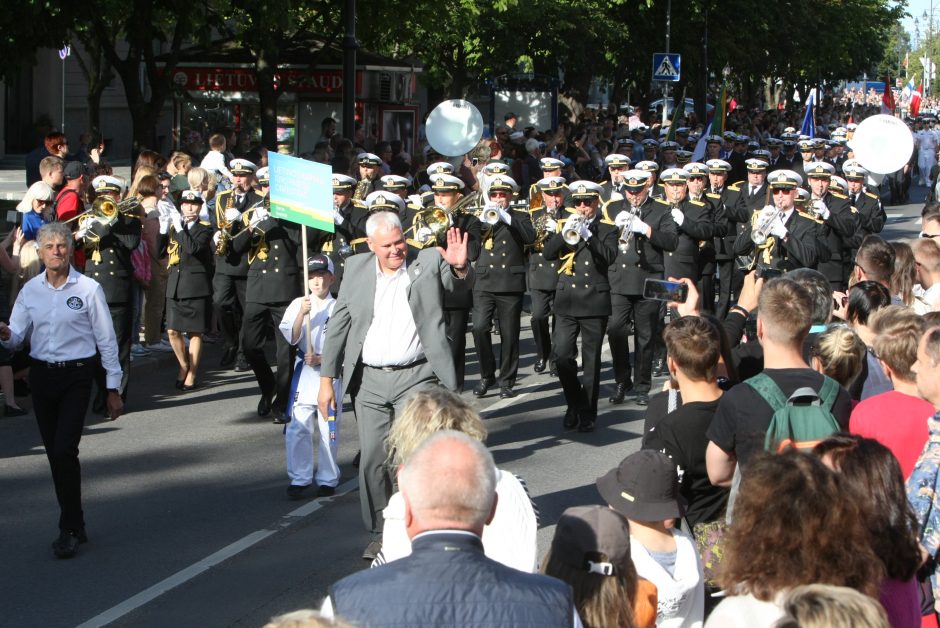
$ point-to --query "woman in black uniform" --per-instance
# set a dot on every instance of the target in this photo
(187, 242)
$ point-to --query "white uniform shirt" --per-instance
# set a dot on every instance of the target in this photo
(392, 339)
(309, 385)
(65, 323)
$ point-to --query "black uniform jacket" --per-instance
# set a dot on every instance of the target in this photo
(583, 288)
(114, 243)
(191, 277)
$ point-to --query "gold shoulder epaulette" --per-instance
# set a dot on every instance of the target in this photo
(736, 186)
(712, 195)
(812, 217)
(357, 203)
(205, 223)
(699, 203)
(871, 195)
(837, 195)
(607, 221)
(661, 201)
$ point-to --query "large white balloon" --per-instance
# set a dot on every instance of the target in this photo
(882, 144)
(454, 127)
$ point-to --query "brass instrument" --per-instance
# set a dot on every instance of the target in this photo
(362, 190)
(260, 250)
(489, 214)
(542, 233)
(571, 232)
(761, 231)
(623, 241)
(435, 220)
(225, 227)
(105, 210)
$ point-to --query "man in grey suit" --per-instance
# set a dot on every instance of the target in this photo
(387, 337)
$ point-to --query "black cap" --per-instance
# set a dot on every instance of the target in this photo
(319, 262)
(644, 487)
(509, 115)
(73, 170)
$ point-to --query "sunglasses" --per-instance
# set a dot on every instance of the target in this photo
(780, 191)
(499, 194)
(583, 201)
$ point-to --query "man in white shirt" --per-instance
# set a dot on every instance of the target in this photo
(387, 336)
(66, 318)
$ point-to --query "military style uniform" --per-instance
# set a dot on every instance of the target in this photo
(542, 279)
(231, 270)
(838, 234)
(274, 254)
(498, 290)
(871, 220)
(697, 227)
(345, 240)
(644, 259)
(798, 250)
(108, 249)
(582, 307)
(189, 284)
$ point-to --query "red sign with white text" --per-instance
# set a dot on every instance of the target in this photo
(209, 79)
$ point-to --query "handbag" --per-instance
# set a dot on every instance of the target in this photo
(140, 259)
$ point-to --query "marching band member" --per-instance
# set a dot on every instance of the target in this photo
(722, 197)
(582, 301)
(349, 226)
(694, 224)
(616, 166)
(500, 285)
(231, 268)
(839, 223)
(648, 232)
(187, 242)
(543, 278)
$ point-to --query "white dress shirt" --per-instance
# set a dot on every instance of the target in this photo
(65, 323)
(392, 339)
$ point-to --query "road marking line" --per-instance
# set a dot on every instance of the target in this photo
(187, 574)
(895, 215)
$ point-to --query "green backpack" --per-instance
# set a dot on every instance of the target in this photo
(803, 419)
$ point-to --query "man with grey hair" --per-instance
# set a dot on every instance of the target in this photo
(387, 337)
(65, 316)
(449, 490)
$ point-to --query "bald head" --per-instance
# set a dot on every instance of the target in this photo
(448, 484)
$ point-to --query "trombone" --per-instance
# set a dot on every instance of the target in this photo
(105, 210)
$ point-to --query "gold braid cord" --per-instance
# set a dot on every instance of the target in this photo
(488, 238)
(567, 264)
(92, 242)
(173, 250)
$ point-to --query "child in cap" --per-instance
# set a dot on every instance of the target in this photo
(591, 552)
(644, 488)
(305, 386)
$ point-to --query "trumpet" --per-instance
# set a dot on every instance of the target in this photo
(489, 214)
(571, 232)
(761, 231)
(623, 241)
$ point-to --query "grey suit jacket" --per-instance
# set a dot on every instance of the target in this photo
(431, 277)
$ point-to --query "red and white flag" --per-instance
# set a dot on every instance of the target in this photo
(887, 98)
(915, 100)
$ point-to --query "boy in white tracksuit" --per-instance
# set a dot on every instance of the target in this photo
(305, 386)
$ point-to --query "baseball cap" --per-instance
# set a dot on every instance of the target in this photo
(73, 170)
(593, 538)
(644, 487)
(319, 262)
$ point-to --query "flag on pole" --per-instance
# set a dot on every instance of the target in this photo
(915, 100)
(678, 111)
(887, 98)
(721, 111)
(909, 88)
(809, 120)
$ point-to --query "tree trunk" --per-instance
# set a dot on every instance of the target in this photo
(265, 70)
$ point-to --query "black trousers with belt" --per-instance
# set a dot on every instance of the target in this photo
(258, 319)
(582, 398)
(507, 307)
(60, 400)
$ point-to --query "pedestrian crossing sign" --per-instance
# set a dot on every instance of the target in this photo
(666, 66)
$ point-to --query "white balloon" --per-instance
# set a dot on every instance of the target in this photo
(454, 127)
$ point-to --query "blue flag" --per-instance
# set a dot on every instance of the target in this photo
(809, 120)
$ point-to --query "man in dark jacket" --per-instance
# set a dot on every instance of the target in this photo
(449, 490)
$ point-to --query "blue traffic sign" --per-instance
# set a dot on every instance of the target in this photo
(666, 66)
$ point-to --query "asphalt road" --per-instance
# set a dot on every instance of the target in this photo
(185, 501)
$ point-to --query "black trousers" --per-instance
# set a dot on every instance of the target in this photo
(258, 319)
(730, 280)
(643, 313)
(542, 302)
(706, 291)
(507, 307)
(228, 294)
(455, 326)
(580, 397)
(60, 400)
(122, 318)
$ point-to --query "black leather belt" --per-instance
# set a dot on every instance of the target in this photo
(67, 364)
(401, 367)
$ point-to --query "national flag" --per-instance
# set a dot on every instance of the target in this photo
(678, 112)
(915, 100)
(909, 88)
(887, 98)
(809, 120)
(699, 151)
